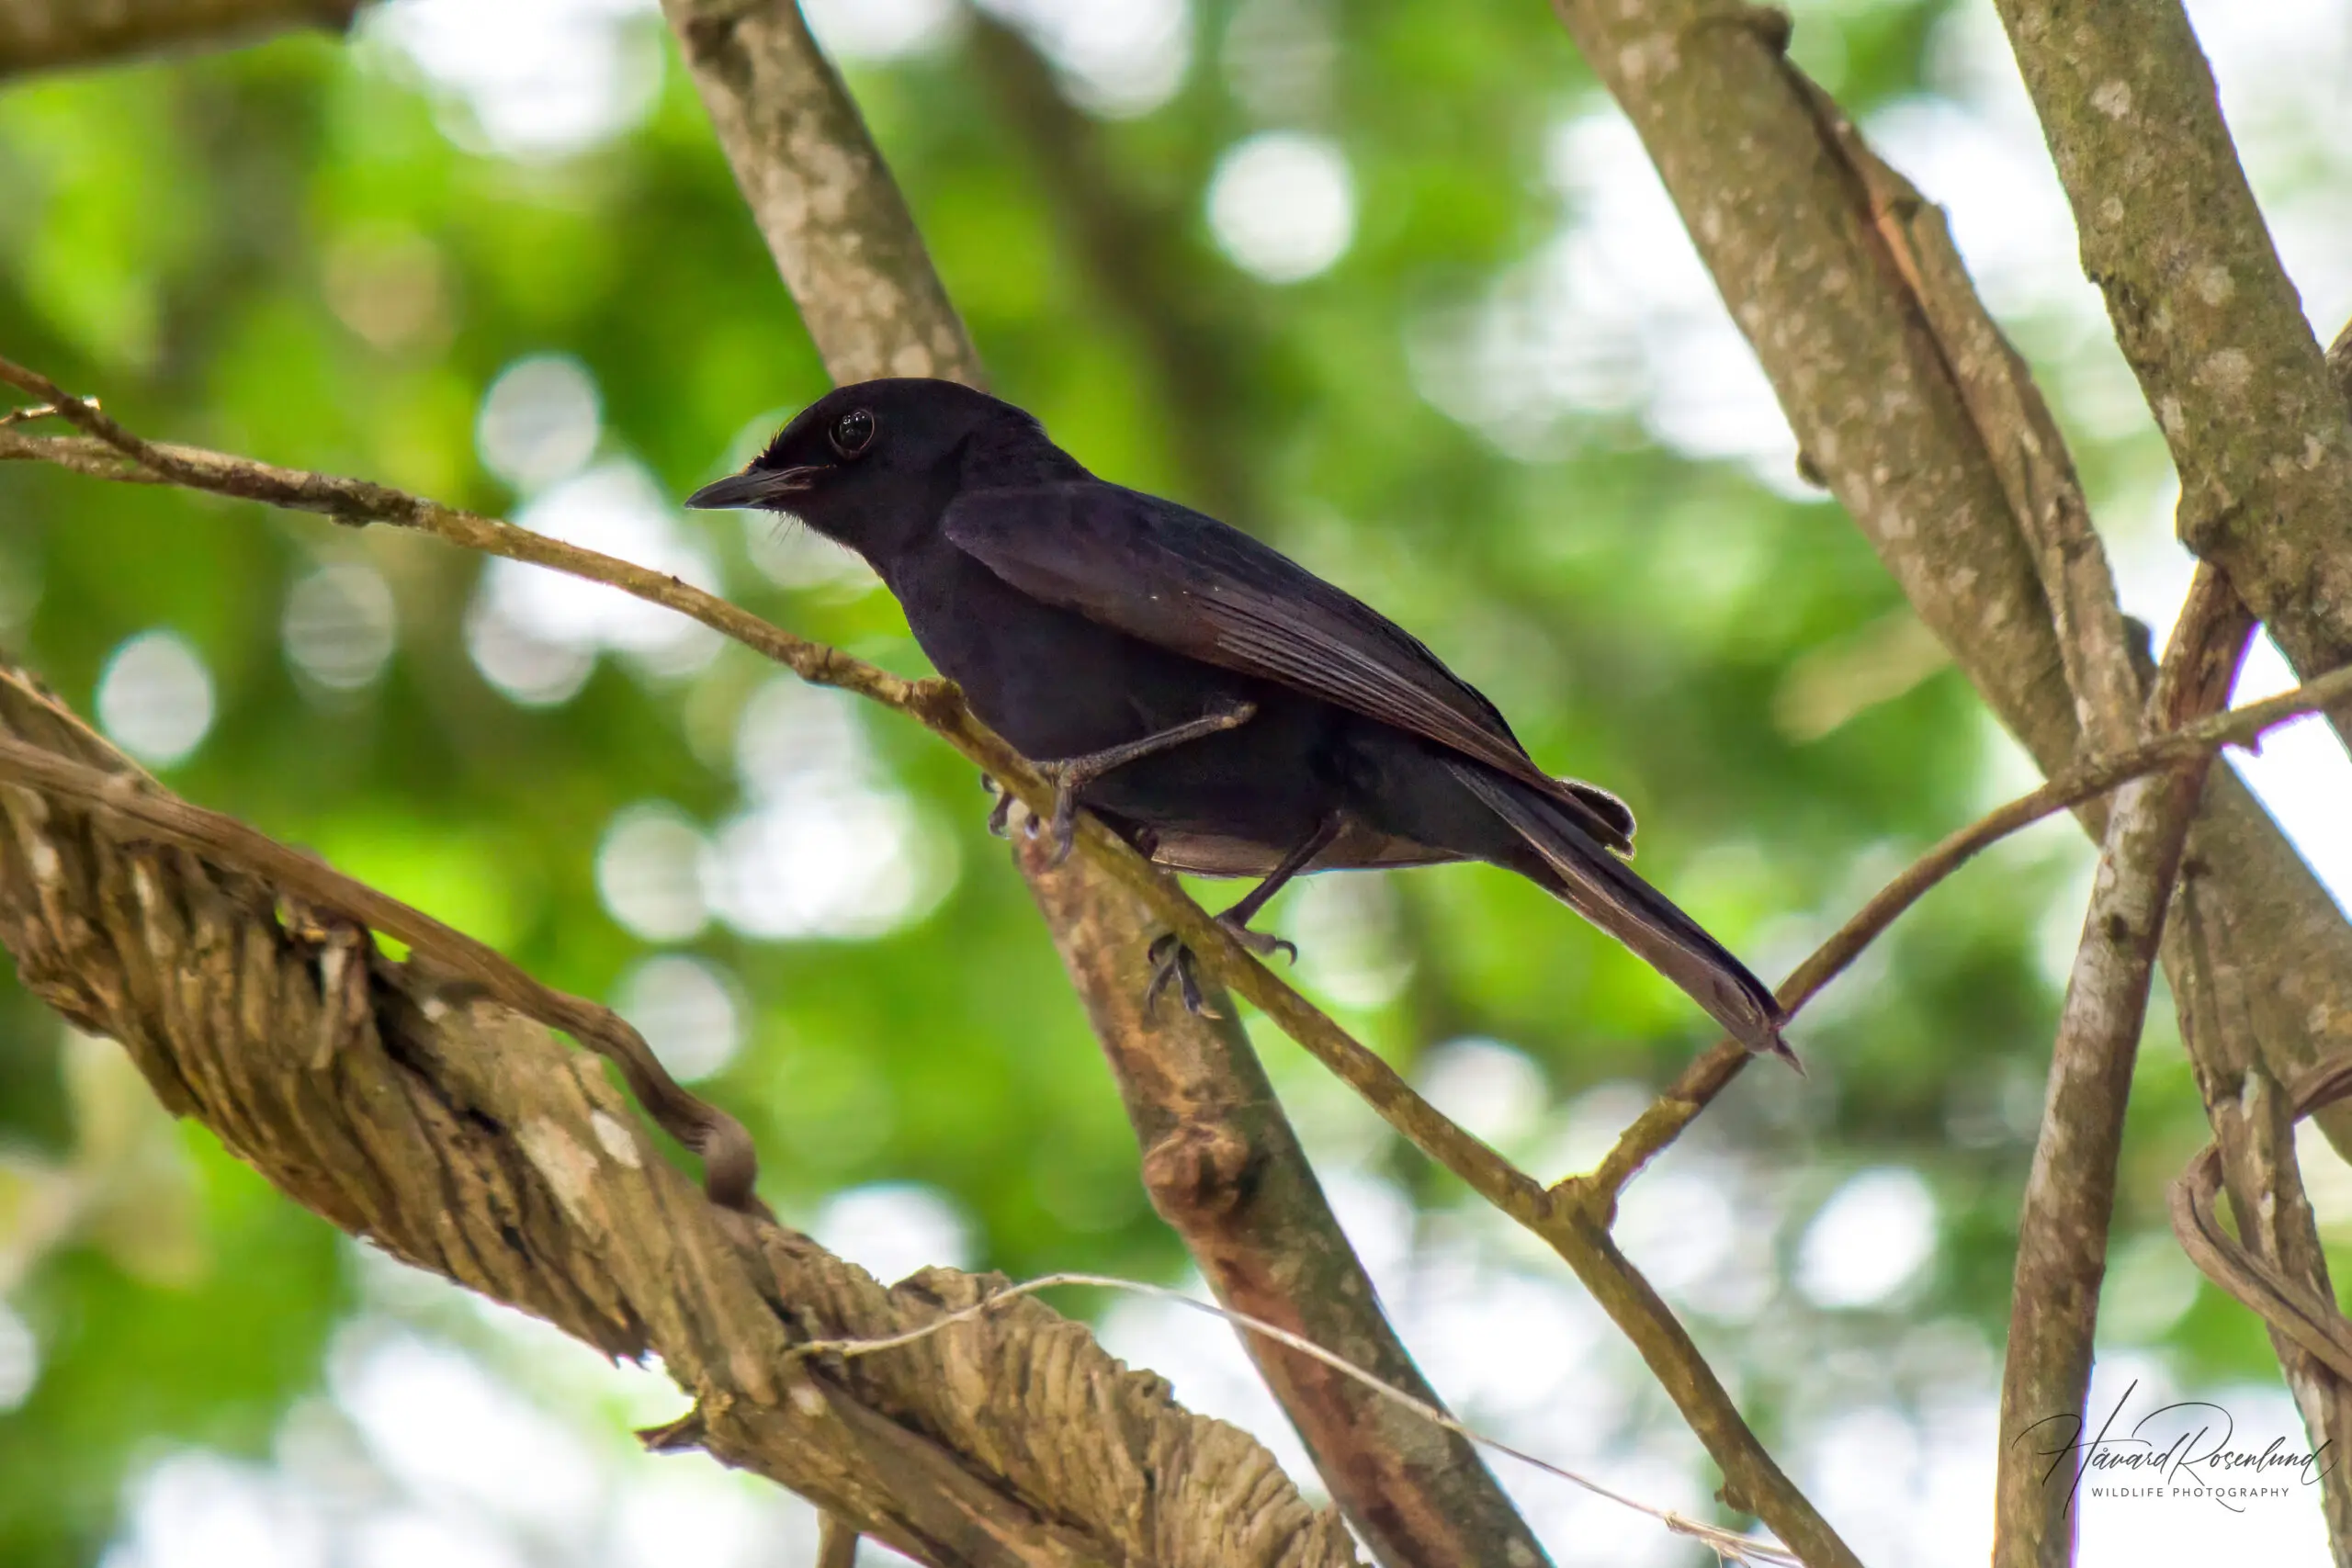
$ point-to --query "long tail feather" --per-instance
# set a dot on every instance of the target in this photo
(1604, 890)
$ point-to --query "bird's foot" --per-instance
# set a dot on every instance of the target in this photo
(1001, 814)
(1063, 824)
(1172, 963)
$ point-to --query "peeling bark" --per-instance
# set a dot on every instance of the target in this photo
(463, 1138)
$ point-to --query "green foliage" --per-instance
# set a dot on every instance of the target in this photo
(280, 253)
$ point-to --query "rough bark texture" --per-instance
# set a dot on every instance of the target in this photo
(2070, 1193)
(2201, 306)
(1225, 1169)
(465, 1139)
(38, 35)
(1844, 279)
(854, 264)
(817, 188)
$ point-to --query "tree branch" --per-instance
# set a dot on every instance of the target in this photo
(856, 266)
(1907, 399)
(2254, 1155)
(2070, 1195)
(1225, 1169)
(2087, 780)
(2308, 1318)
(459, 1136)
(450, 958)
(42, 35)
(2203, 311)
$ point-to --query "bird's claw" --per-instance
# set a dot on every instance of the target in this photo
(1264, 944)
(1172, 963)
(1064, 821)
(1001, 814)
(1171, 960)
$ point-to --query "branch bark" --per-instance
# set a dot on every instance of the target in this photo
(42, 35)
(1225, 1169)
(1908, 402)
(2203, 311)
(2070, 1195)
(856, 266)
(460, 1136)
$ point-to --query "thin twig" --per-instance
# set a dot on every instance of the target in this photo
(1708, 1076)
(1729, 1543)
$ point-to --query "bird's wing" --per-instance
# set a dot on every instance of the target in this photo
(1189, 583)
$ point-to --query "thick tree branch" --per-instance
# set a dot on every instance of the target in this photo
(1225, 1169)
(2070, 1194)
(341, 908)
(2203, 311)
(1908, 402)
(40, 35)
(460, 1136)
(856, 266)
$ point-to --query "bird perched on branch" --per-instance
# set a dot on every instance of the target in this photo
(1222, 708)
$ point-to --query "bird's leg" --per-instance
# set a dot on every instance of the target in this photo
(1000, 813)
(1073, 774)
(1172, 960)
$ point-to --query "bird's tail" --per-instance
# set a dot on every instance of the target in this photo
(1604, 890)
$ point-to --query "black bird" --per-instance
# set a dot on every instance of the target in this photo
(1222, 708)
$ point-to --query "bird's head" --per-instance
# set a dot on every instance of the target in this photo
(866, 460)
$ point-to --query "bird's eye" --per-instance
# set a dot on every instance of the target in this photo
(853, 433)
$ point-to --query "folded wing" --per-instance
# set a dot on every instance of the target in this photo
(1191, 584)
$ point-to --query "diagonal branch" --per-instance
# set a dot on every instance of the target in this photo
(1710, 1074)
(2070, 1195)
(460, 1136)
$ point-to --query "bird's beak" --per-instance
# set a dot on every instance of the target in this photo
(756, 486)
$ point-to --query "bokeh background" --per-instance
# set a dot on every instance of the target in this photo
(1390, 284)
